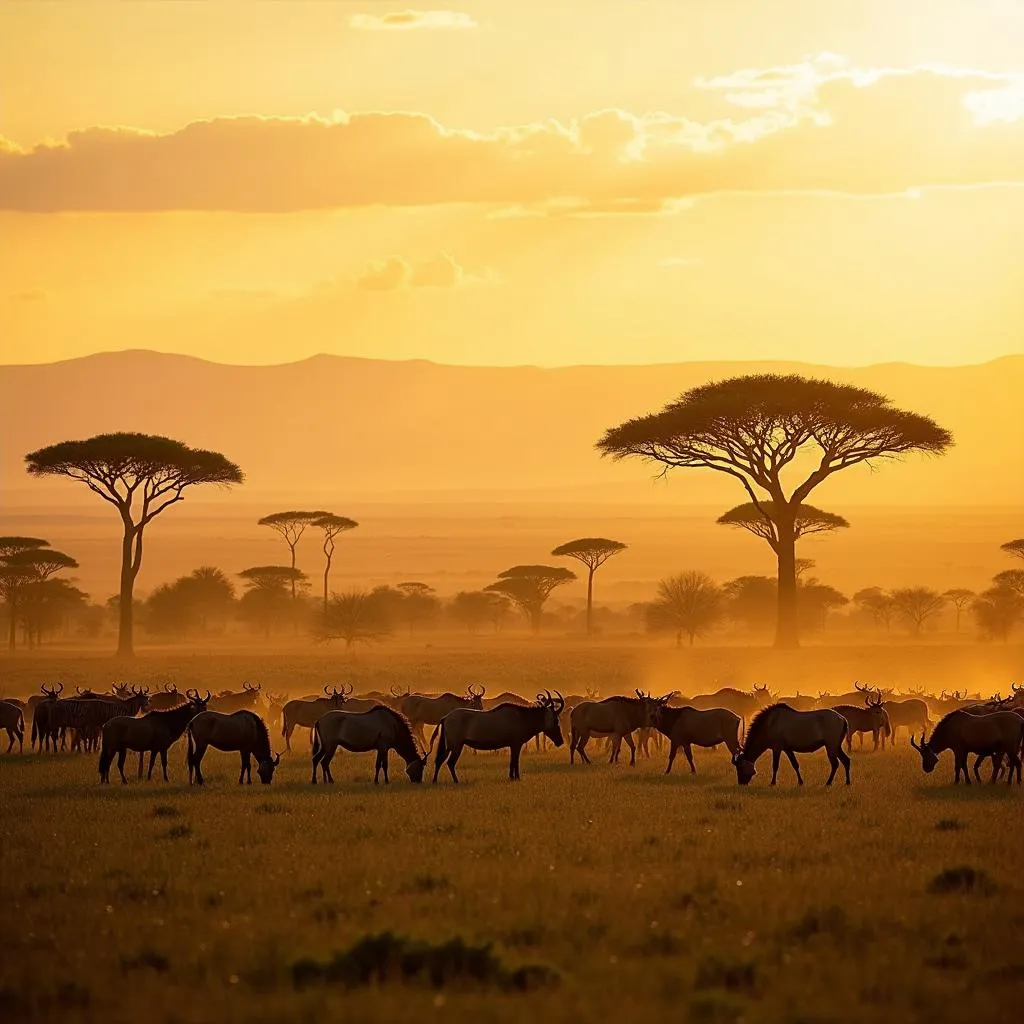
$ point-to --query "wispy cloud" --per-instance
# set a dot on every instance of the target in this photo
(406, 21)
(395, 273)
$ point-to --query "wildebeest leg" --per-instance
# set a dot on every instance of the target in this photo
(246, 767)
(121, 755)
(581, 748)
(960, 762)
(874, 736)
(796, 766)
(513, 763)
(288, 729)
(776, 754)
(671, 757)
(152, 761)
(688, 751)
(628, 737)
(10, 737)
(453, 757)
(326, 757)
(834, 762)
(197, 760)
(163, 763)
(977, 766)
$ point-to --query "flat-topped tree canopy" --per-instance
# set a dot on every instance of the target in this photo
(754, 428)
(12, 545)
(271, 576)
(760, 520)
(42, 562)
(529, 586)
(1011, 547)
(593, 552)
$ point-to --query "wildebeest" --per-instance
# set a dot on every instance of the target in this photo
(243, 731)
(744, 704)
(618, 717)
(12, 718)
(169, 697)
(87, 715)
(41, 705)
(508, 725)
(422, 710)
(240, 700)
(997, 734)
(153, 733)
(381, 729)
(872, 718)
(783, 730)
(688, 727)
(306, 712)
(801, 701)
(910, 713)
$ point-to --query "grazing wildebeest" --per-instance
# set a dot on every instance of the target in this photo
(871, 718)
(153, 733)
(422, 710)
(999, 733)
(305, 712)
(381, 729)
(508, 725)
(243, 731)
(997, 759)
(85, 716)
(169, 698)
(746, 705)
(783, 730)
(12, 718)
(687, 727)
(244, 699)
(618, 717)
(910, 713)
(801, 701)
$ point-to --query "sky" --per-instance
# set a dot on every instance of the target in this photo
(508, 181)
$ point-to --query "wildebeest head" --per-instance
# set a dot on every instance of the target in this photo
(745, 770)
(652, 707)
(929, 759)
(52, 692)
(553, 707)
(475, 696)
(265, 769)
(171, 688)
(762, 695)
(336, 696)
(196, 702)
(415, 769)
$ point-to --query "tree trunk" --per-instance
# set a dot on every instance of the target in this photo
(787, 633)
(535, 614)
(590, 602)
(327, 573)
(125, 644)
(12, 630)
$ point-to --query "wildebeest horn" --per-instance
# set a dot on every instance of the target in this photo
(78, 689)
(207, 697)
(277, 760)
(913, 744)
(861, 689)
(327, 690)
(347, 690)
(191, 694)
(396, 691)
(639, 692)
(474, 692)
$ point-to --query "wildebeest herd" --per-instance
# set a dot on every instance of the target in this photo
(129, 719)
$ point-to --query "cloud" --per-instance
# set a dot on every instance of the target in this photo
(818, 126)
(394, 273)
(405, 21)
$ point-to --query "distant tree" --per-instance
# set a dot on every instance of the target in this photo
(26, 564)
(501, 609)
(140, 475)
(330, 526)
(419, 604)
(1011, 579)
(471, 608)
(959, 598)
(14, 579)
(529, 587)
(50, 605)
(752, 600)
(191, 602)
(291, 526)
(690, 603)
(998, 610)
(803, 566)
(593, 552)
(265, 601)
(1015, 548)
(354, 617)
(755, 429)
(815, 600)
(878, 604)
(917, 605)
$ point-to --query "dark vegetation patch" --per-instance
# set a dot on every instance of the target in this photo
(271, 807)
(660, 942)
(426, 883)
(830, 920)
(166, 811)
(963, 879)
(731, 975)
(528, 937)
(145, 960)
(140, 892)
(395, 959)
(177, 832)
(948, 825)
(314, 892)
(716, 1009)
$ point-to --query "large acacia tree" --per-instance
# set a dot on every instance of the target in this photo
(593, 552)
(529, 587)
(141, 475)
(291, 526)
(763, 430)
(1014, 547)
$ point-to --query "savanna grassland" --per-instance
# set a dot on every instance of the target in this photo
(604, 892)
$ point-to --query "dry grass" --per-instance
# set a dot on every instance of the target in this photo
(617, 893)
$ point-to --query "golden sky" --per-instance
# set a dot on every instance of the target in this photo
(509, 181)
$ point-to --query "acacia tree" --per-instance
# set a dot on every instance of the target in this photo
(419, 603)
(917, 605)
(291, 526)
(1014, 547)
(330, 525)
(36, 567)
(1010, 579)
(878, 604)
(529, 587)
(593, 552)
(266, 587)
(690, 603)
(755, 428)
(13, 579)
(998, 610)
(959, 598)
(141, 475)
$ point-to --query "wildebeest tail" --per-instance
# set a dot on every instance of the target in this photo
(106, 757)
(442, 746)
(190, 751)
(433, 736)
(318, 744)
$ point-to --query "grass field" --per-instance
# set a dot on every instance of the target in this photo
(631, 895)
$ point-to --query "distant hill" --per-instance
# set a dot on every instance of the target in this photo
(333, 426)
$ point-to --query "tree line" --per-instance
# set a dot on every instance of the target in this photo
(779, 437)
